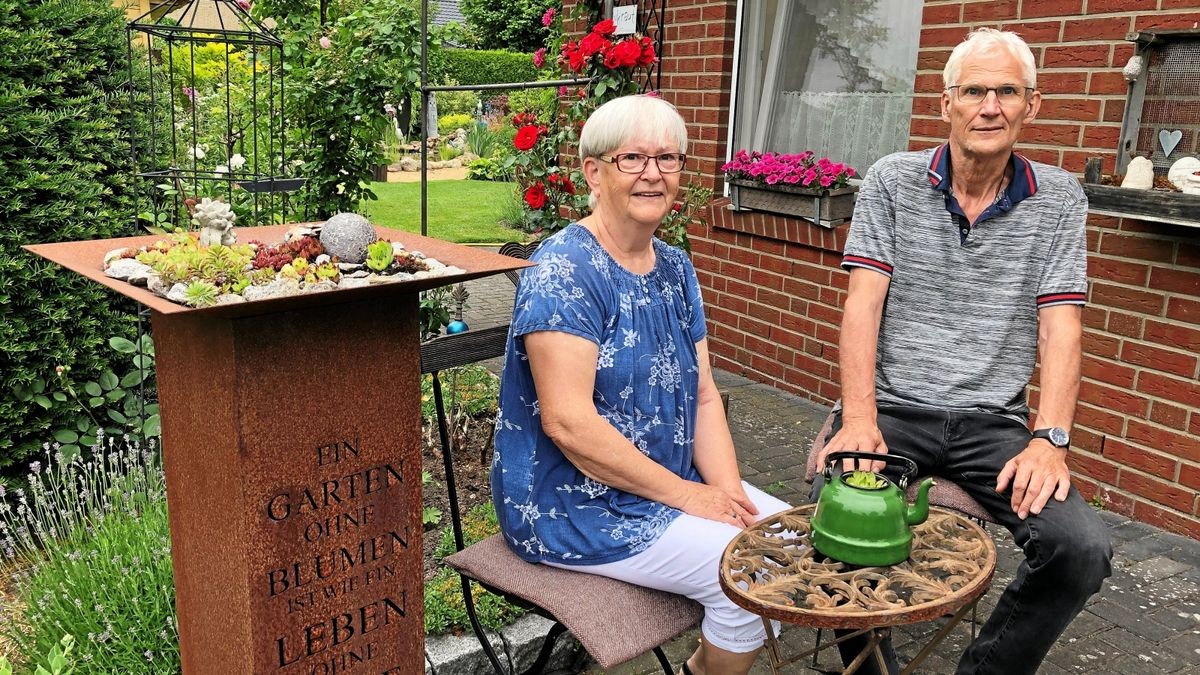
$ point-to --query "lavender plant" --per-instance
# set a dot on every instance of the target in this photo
(86, 544)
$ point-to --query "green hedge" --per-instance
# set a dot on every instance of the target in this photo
(64, 147)
(480, 66)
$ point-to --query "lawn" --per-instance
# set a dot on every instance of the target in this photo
(461, 211)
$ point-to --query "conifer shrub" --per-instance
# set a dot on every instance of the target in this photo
(64, 146)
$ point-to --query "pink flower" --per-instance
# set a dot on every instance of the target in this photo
(244, 4)
(562, 91)
(325, 42)
(539, 57)
(827, 180)
(548, 17)
(653, 94)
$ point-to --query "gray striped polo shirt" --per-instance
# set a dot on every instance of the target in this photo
(959, 328)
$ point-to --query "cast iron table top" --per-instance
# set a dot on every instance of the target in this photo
(772, 570)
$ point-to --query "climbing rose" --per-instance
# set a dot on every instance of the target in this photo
(548, 17)
(325, 43)
(539, 58)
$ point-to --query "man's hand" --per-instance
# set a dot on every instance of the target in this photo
(856, 434)
(1035, 474)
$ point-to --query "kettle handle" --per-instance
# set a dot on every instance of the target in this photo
(910, 467)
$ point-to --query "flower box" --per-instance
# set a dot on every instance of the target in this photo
(827, 208)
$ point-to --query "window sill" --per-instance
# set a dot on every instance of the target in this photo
(1159, 206)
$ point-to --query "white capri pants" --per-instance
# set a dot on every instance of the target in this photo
(686, 560)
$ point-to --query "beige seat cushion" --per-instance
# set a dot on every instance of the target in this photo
(614, 621)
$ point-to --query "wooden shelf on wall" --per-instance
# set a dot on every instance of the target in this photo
(1160, 206)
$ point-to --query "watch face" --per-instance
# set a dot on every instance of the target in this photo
(1059, 437)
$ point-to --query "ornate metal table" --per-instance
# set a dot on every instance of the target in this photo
(771, 569)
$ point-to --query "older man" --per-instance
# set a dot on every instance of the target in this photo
(966, 262)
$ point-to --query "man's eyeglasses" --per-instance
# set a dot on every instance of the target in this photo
(636, 162)
(974, 94)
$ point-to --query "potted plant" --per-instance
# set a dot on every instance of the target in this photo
(797, 185)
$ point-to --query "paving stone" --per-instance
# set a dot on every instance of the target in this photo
(1146, 547)
(1084, 626)
(462, 655)
(523, 642)
(1181, 616)
(1133, 620)
(1157, 568)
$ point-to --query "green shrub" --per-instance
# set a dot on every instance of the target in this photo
(542, 102)
(482, 142)
(478, 66)
(447, 152)
(95, 535)
(513, 24)
(64, 146)
(448, 124)
(457, 102)
(490, 168)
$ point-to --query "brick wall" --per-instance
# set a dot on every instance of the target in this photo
(774, 289)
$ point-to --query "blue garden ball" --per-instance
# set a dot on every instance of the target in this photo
(456, 326)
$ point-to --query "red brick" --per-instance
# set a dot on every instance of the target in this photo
(1154, 357)
(1175, 281)
(1108, 372)
(1098, 344)
(940, 14)
(1183, 446)
(1110, 82)
(1051, 8)
(1106, 28)
(1182, 391)
(1186, 338)
(932, 59)
(1120, 271)
(1124, 324)
(1162, 20)
(765, 313)
(1169, 415)
(1183, 309)
(1162, 492)
(1167, 520)
(1120, 54)
(995, 10)
(766, 280)
(1070, 109)
(1099, 419)
(929, 127)
(1110, 398)
(1105, 6)
(1117, 502)
(1075, 56)
(1051, 134)
(1095, 317)
(768, 366)
(1114, 110)
(818, 275)
(798, 324)
(1040, 32)
(1149, 461)
(1189, 476)
(1180, 4)
(1189, 255)
(1142, 248)
(1101, 137)
(1096, 467)
(1076, 161)
(1125, 297)
(942, 37)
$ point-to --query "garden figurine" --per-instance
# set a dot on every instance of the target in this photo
(215, 219)
(967, 261)
(613, 454)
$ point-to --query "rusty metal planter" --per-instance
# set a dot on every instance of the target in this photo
(827, 208)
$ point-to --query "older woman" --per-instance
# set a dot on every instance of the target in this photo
(613, 455)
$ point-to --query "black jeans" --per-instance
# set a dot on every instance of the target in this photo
(1067, 546)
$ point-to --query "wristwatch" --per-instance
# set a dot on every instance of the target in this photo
(1057, 436)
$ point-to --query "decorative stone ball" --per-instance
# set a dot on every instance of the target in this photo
(456, 326)
(346, 235)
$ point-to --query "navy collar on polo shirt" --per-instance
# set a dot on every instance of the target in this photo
(1022, 186)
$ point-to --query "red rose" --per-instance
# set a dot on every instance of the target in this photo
(535, 196)
(647, 56)
(611, 60)
(627, 52)
(571, 57)
(605, 27)
(592, 44)
(526, 138)
(568, 186)
(677, 208)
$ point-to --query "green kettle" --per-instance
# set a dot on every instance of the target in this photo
(868, 526)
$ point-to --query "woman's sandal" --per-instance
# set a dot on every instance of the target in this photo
(686, 670)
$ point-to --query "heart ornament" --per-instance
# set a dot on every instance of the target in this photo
(1168, 140)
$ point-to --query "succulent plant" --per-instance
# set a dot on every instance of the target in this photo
(201, 294)
(379, 255)
(865, 479)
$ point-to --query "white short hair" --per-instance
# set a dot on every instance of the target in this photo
(630, 118)
(986, 41)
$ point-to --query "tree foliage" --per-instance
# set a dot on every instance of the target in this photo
(515, 25)
(64, 125)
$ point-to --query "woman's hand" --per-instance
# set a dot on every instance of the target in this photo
(714, 503)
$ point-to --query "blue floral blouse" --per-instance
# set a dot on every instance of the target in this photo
(646, 328)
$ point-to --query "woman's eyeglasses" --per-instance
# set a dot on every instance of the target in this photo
(636, 162)
(974, 94)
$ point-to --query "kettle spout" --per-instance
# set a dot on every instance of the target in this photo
(918, 512)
